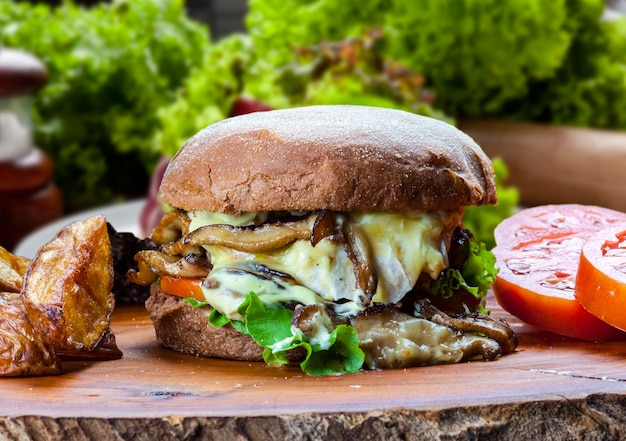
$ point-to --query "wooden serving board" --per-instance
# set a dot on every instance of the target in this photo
(552, 385)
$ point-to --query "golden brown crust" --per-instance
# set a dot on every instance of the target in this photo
(343, 158)
(186, 329)
(24, 347)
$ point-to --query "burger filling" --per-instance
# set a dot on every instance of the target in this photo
(352, 285)
(324, 272)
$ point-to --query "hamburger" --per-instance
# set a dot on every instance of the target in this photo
(325, 236)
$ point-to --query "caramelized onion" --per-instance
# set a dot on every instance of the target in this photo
(324, 227)
(358, 249)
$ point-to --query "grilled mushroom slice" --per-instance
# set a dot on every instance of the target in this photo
(393, 339)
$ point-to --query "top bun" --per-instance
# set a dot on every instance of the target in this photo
(342, 158)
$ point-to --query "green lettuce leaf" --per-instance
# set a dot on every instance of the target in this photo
(271, 329)
(111, 67)
(267, 326)
(480, 271)
(476, 277)
(344, 354)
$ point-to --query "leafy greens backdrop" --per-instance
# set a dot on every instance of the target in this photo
(132, 80)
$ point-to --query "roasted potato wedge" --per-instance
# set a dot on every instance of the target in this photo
(24, 348)
(106, 349)
(12, 269)
(68, 285)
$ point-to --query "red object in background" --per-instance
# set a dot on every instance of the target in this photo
(20, 73)
(29, 197)
(243, 105)
(152, 212)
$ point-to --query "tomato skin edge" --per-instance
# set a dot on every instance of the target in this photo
(546, 237)
(561, 316)
(599, 294)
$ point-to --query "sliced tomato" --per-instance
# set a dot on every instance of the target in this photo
(182, 287)
(538, 250)
(601, 282)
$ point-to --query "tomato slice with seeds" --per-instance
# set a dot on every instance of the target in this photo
(601, 282)
(182, 287)
(538, 250)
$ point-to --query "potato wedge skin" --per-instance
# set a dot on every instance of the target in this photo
(12, 269)
(68, 285)
(24, 348)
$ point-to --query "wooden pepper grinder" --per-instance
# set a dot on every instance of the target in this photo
(29, 198)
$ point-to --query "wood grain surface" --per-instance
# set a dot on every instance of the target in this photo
(551, 388)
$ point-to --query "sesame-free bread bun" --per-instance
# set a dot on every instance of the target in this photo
(340, 157)
(187, 329)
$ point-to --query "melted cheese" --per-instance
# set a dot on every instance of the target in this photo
(403, 246)
(202, 218)
(325, 269)
(227, 288)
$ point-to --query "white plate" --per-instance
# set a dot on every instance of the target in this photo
(124, 217)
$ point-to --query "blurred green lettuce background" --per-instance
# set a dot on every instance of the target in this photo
(132, 80)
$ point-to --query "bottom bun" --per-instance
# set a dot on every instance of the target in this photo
(187, 329)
